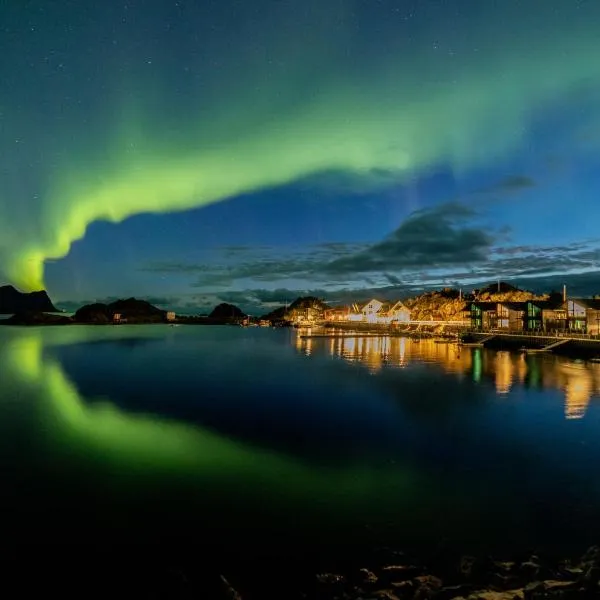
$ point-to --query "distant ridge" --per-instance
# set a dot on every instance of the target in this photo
(13, 301)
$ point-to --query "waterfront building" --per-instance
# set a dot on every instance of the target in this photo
(510, 315)
(545, 315)
(372, 310)
(339, 313)
(583, 315)
(484, 315)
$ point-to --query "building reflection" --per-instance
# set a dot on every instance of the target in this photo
(579, 381)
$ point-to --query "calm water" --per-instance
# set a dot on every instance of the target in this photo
(234, 435)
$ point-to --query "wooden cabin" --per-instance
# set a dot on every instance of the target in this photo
(510, 316)
(339, 313)
(583, 315)
(545, 315)
(398, 313)
(484, 315)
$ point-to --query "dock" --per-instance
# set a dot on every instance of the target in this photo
(549, 347)
(344, 335)
(535, 342)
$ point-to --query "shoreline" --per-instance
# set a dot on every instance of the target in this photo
(393, 575)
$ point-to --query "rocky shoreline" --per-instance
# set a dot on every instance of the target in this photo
(464, 578)
(471, 579)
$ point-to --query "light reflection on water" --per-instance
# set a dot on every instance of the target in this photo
(578, 380)
(259, 432)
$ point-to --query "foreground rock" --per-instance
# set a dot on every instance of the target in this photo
(468, 578)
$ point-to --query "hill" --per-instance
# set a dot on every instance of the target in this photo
(135, 311)
(504, 292)
(226, 312)
(450, 305)
(13, 301)
(303, 302)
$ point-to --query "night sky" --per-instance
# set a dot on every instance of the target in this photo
(195, 151)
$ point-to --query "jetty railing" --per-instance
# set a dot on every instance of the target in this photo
(555, 334)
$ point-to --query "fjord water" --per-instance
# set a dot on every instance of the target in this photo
(257, 440)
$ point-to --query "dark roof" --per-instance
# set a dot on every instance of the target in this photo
(593, 303)
(547, 304)
(514, 305)
(485, 305)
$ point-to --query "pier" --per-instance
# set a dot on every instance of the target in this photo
(535, 342)
(574, 344)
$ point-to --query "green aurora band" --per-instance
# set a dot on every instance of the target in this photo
(400, 111)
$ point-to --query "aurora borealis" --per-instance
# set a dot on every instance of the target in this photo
(319, 122)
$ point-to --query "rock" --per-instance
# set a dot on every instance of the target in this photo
(490, 595)
(571, 573)
(532, 570)
(384, 595)
(331, 579)
(592, 556)
(479, 570)
(397, 573)
(535, 590)
(505, 582)
(404, 588)
(366, 578)
(554, 585)
(455, 591)
(591, 577)
(426, 586)
(504, 566)
(229, 592)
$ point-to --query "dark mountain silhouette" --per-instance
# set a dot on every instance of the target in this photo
(299, 303)
(13, 301)
(226, 312)
(135, 311)
(37, 318)
(499, 288)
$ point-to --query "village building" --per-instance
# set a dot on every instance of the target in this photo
(305, 314)
(484, 315)
(510, 316)
(398, 313)
(545, 315)
(378, 312)
(507, 316)
(583, 315)
(338, 313)
(372, 310)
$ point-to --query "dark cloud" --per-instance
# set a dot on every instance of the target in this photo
(428, 238)
(259, 301)
(509, 185)
(259, 263)
(578, 284)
